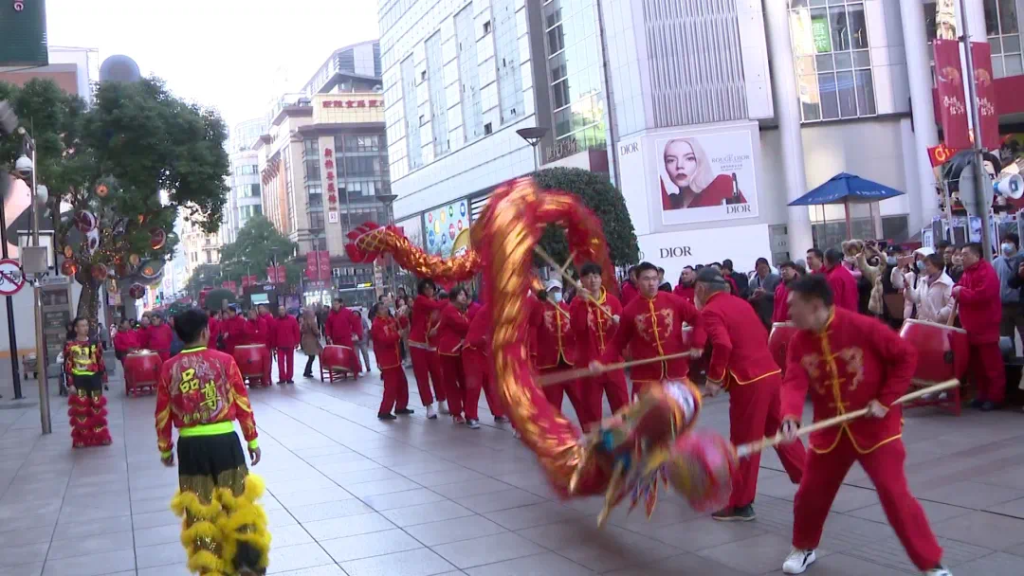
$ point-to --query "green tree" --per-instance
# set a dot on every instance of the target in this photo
(204, 275)
(605, 200)
(114, 161)
(257, 246)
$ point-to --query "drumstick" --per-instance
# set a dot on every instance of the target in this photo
(561, 377)
(952, 315)
(755, 447)
(551, 262)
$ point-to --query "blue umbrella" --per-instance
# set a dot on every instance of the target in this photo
(847, 189)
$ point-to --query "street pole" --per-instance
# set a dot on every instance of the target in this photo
(11, 335)
(978, 163)
(41, 364)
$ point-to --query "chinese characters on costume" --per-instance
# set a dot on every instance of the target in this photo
(87, 407)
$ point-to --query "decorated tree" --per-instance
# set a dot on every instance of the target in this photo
(605, 200)
(255, 249)
(204, 275)
(124, 170)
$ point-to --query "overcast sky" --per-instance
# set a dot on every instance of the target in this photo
(235, 55)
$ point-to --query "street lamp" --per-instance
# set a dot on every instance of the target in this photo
(388, 200)
(533, 136)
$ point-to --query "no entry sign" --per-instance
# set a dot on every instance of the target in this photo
(11, 278)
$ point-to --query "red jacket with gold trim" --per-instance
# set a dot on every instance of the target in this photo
(593, 329)
(739, 341)
(452, 331)
(654, 327)
(855, 359)
(385, 334)
(423, 319)
(83, 358)
(198, 387)
(555, 340)
(478, 337)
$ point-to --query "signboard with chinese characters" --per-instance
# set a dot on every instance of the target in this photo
(443, 226)
(332, 188)
(348, 108)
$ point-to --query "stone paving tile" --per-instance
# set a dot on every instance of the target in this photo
(426, 498)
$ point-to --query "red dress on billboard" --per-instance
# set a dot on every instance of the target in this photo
(716, 193)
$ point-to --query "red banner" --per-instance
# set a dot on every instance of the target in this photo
(277, 275)
(230, 285)
(952, 103)
(318, 259)
(985, 90)
(248, 281)
(940, 154)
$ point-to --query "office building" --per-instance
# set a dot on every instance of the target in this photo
(245, 199)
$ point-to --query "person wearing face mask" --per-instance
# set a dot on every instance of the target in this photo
(742, 365)
(1006, 265)
(556, 347)
(906, 277)
(932, 297)
(832, 343)
(980, 310)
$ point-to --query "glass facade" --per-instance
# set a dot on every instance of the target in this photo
(412, 116)
(574, 73)
(438, 103)
(1004, 37)
(362, 166)
(469, 74)
(832, 61)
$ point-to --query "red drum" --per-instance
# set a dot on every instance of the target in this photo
(942, 351)
(337, 362)
(778, 342)
(250, 359)
(141, 371)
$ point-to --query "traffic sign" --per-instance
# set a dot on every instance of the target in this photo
(11, 278)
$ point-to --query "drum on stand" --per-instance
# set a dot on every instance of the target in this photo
(336, 362)
(250, 359)
(778, 342)
(141, 372)
(942, 354)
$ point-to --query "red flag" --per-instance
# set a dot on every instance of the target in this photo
(985, 90)
(952, 103)
(311, 265)
(940, 154)
(230, 285)
(325, 265)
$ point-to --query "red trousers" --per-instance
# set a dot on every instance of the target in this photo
(593, 389)
(396, 390)
(477, 368)
(755, 411)
(825, 473)
(267, 362)
(988, 372)
(426, 368)
(285, 364)
(455, 384)
(571, 389)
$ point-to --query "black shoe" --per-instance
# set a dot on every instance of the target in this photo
(307, 375)
(976, 403)
(404, 411)
(737, 514)
(500, 419)
(386, 416)
(989, 406)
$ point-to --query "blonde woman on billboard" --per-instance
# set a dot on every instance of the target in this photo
(692, 183)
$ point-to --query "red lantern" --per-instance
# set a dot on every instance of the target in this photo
(157, 239)
(99, 272)
(137, 291)
(86, 221)
(69, 268)
(102, 190)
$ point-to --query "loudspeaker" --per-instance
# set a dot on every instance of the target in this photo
(1011, 186)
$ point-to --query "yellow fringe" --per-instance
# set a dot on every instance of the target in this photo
(188, 501)
(206, 562)
(201, 529)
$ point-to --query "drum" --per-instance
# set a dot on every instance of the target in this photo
(337, 361)
(778, 341)
(141, 371)
(942, 351)
(250, 358)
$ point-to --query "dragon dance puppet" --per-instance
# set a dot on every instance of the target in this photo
(630, 455)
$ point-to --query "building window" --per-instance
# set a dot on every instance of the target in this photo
(312, 170)
(310, 148)
(316, 220)
(1004, 37)
(830, 46)
(209, 257)
(246, 170)
(487, 27)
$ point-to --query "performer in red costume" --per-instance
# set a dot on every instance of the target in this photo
(685, 287)
(841, 281)
(214, 325)
(426, 363)
(628, 288)
(790, 272)
(160, 337)
(848, 361)
(556, 348)
(451, 335)
(477, 366)
(652, 326)
(594, 330)
(385, 333)
(257, 332)
(142, 331)
(271, 324)
(232, 328)
(84, 368)
(980, 309)
(125, 341)
(286, 337)
(339, 330)
(742, 365)
(201, 393)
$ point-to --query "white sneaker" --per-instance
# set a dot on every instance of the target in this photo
(431, 413)
(516, 434)
(940, 571)
(473, 424)
(442, 407)
(798, 561)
